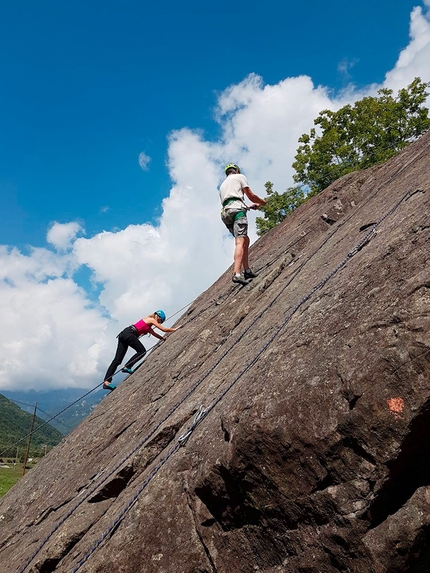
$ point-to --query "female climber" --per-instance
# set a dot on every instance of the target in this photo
(130, 337)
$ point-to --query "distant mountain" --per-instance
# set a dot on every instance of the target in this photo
(66, 405)
(15, 425)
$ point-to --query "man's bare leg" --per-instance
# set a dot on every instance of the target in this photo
(245, 262)
(241, 246)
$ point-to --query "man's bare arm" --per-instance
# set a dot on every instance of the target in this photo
(253, 197)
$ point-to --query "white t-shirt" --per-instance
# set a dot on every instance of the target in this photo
(232, 187)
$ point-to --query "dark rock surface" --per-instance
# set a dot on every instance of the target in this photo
(313, 454)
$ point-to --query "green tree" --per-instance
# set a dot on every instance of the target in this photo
(359, 136)
(278, 206)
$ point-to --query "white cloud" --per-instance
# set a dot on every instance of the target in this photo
(52, 336)
(61, 236)
(144, 161)
(345, 65)
(262, 124)
(414, 59)
(48, 326)
(39, 266)
(145, 266)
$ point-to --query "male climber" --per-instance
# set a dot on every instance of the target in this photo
(232, 194)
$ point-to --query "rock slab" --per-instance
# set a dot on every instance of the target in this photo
(283, 428)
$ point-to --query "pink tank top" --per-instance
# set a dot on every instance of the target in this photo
(142, 327)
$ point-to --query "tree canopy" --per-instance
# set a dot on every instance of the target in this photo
(354, 137)
(359, 136)
(278, 206)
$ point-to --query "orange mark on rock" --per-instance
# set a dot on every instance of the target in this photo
(396, 406)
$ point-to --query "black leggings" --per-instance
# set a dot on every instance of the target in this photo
(126, 338)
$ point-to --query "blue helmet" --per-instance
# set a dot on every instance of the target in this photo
(161, 314)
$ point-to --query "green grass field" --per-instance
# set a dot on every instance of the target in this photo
(9, 476)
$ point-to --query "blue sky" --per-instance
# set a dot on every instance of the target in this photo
(87, 86)
(91, 238)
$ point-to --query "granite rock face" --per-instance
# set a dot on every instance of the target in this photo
(302, 402)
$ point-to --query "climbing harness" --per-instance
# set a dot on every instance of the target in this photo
(230, 216)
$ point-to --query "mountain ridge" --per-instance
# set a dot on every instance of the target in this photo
(15, 427)
(51, 403)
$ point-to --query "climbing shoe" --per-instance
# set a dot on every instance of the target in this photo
(248, 274)
(240, 280)
(127, 371)
(108, 386)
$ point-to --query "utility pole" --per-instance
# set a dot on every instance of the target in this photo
(29, 440)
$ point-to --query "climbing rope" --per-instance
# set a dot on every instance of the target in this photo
(171, 411)
(203, 412)
(199, 382)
